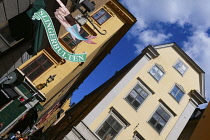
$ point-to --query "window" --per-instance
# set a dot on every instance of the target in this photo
(6, 39)
(101, 16)
(177, 93)
(137, 96)
(156, 72)
(68, 41)
(112, 126)
(159, 119)
(109, 129)
(37, 67)
(137, 136)
(180, 67)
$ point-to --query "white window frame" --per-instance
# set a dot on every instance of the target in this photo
(167, 111)
(118, 119)
(159, 68)
(180, 61)
(144, 88)
(181, 89)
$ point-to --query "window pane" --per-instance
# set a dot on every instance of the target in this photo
(159, 127)
(117, 127)
(157, 77)
(32, 76)
(153, 121)
(27, 70)
(111, 135)
(98, 14)
(101, 16)
(5, 32)
(66, 39)
(41, 59)
(160, 111)
(166, 116)
(136, 104)
(156, 116)
(178, 65)
(144, 94)
(130, 98)
(101, 20)
(109, 129)
(110, 120)
(156, 72)
(40, 70)
(174, 90)
(101, 133)
(181, 71)
(133, 94)
(105, 126)
(107, 16)
(47, 64)
(179, 96)
(138, 88)
(177, 93)
(139, 99)
(137, 96)
(184, 67)
(153, 71)
(181, 67)
(37, 67)
(84, 34)
(159, 119)
(162, 122)
(160, 73)
(34, 65)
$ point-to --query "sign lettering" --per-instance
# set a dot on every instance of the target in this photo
(53, 39)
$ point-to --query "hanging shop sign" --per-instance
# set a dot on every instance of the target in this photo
(65, 18)
(53, 39)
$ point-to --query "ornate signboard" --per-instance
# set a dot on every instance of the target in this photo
(52, 37)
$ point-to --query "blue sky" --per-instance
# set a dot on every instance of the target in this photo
(159, 22)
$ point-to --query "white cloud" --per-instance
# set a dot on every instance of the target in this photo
(194, 13)
(150, 37)
(198, 48)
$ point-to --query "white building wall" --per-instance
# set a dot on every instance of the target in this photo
(182, 121)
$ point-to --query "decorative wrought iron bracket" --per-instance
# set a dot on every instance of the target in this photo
(84, 13)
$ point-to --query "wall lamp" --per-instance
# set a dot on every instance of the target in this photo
(49, 79)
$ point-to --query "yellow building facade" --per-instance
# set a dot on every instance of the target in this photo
(57, 78)
(152, 97)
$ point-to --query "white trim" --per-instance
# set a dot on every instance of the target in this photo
(167, 111)
(181, 88)
(160, 68)
(116, 118)
(144, 88)
(179, 60)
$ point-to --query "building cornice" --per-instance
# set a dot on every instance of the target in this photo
(197, 98)
(150, 52)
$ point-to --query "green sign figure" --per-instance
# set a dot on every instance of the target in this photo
(53, 39)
